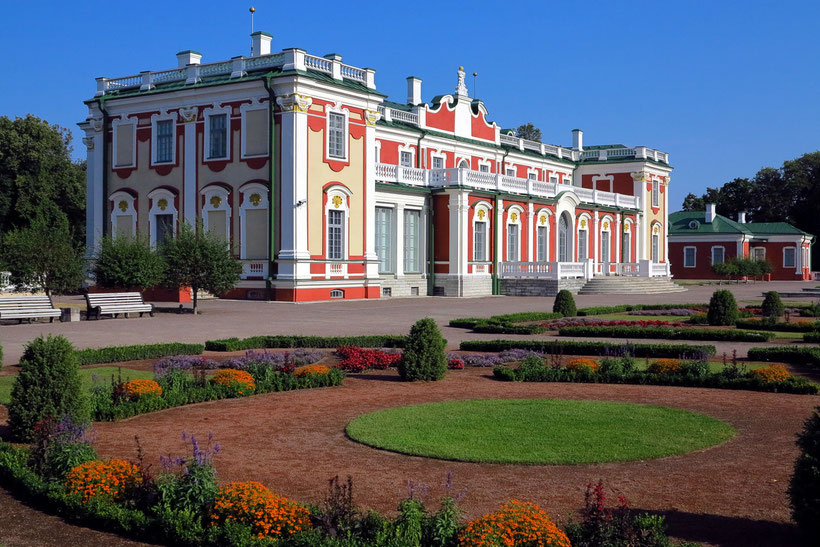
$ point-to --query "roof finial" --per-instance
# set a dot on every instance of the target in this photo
(461, 88)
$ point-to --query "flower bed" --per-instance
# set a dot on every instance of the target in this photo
(666, 333)
(356, 359)
(664, 366)
(136, 389)
(561, 347)
(762, 324)
(597, 322)
(240, 382)
(515, 523)
(111, 479)
(261, 342)
(311, 369)
(252, 504)
(582, 364)
(771, 373)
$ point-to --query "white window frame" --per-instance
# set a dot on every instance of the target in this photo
(518, 224)
(461, 161)
(486, 221)
(694, 263)
(131, 210)
(755, 251)
(245, 193)
(115, 124)
(438, 155)
(566, 179)
(553, 179)
(656, 193)
(344, 194)
(545, 214)
(209, 193)
(723, 256)
(345, 113)
(419, 243)
(243, 110)
(156, 196)
(577, 238)
(485, 164)
(155, 135)
(206, 145)
(794, 257)
(510, 172)
(391, 240)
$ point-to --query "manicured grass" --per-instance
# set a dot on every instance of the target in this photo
(538, 431)
(779, 334)
(627, 317)
(86, 377)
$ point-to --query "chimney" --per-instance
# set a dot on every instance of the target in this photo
(741, 217)
(260, 43)
(710, 213)
(578, 140)
(188, 57)
(413, 90)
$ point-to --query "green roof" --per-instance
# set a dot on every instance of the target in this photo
(680, 223)
(774, 228)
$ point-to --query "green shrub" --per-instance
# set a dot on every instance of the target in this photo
(665, 333)
(813, 310)
(772, 305)
(116, 354)
(805, 483)
(48, 386)
(59, 446)
(561, 347)
(787, 354)
(603, 310)
(129, 263)
(424, 357)
(616, 366)
(722, 308)
(812, 337)
(803, 326)
(564, 304)
(289, 341)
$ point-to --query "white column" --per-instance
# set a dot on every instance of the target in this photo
(618, 239)
(399, 243)
(639, 236)
(531, 232)
(371, 259)
(499, 232)
(293, 187)
(189, 165)
(459, 241)
(666, 222)
(596, 235)
(96, 209)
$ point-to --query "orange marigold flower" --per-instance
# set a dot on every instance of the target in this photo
(266, 513)
(134, 389)
(771, 373)
(240, 380)
(97, 478)
(583, 364)
(311, 369)
(515, 523)
(664, 366)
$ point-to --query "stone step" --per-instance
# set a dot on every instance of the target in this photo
(630, 285)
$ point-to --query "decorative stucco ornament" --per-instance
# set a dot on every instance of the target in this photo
(255, 199)
(514, 217)
(337, 201)
(461, 87)
(481, 214)
(162, 204)
(216, 201)
(123, 206)
(542, 220)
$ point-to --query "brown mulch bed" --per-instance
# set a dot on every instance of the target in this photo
(732, 494)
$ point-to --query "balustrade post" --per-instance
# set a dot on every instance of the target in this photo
(147, 80)
(294, 59)
(370, 78)
(192, 74)
(102, 85)
(237, 67)
(336, 65)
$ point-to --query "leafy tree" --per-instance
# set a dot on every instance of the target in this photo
(725, 269)
(44, 256)
(693, 203)
(772, 305)
(128, 262)
(722, 308)
(48, 386)
(424, 357)
(199, 259)
(564, 304)
(804, 489)
(529, 132)
(37, 175)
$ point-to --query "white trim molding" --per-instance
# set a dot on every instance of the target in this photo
(124, 206)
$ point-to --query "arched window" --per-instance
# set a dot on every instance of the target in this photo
(542, 233)
(583, 238)
(606, 240)
(481, 230)
(626, 243)
(656, 243)
(162, 217)
(216, 212)
(253, 222)
(336, 220)
(463, 164)
(564, 244)
(514, 234)
(123, 215)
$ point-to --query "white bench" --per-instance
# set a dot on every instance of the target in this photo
(27, 307)
(114, 303)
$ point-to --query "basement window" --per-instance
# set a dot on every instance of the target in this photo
(337, 293)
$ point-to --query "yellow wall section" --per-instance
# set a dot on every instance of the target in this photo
(320, 174)
(660, 217)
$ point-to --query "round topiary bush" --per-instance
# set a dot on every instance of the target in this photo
(424, 357)
(48, 386)
(805, 483)
(772, 305)
(722, 309)
(564, 304)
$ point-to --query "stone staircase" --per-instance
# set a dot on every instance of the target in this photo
(630, 285)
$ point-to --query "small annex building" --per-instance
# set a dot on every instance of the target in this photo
(699, 239)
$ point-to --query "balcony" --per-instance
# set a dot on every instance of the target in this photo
(438, 178)
(580, 270)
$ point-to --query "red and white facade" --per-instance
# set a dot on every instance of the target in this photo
(324, 189)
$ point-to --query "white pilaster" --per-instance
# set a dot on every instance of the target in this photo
(596, 236)
(499, 231)
(189, 165)
(371, 258)
(399, 243)
(618, 238)
(459, 208)
(95, 201)
(666, 223)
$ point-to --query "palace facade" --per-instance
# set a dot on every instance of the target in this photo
(325, 189)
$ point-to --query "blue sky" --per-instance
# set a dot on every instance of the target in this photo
(725, 87)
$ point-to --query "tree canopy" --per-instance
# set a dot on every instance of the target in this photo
(528, 131)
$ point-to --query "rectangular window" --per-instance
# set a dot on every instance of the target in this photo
(480, 242)
(656, 198)
(256, 233)
(165, 141)
(567, 179)
(256, 132)
(384, 239)
(335, 235)
(412, 242)
(438, 163)
(484, 168)
(124, 137)
(759, 253)
(583, 238)
(553, 179)
(788, 257)
(626, 247)
(217, 224)
(512, 242)
(218, 147)
(689, 257)
(532, 176)
(406, 159)
(125, 226)
(336, 135)
(541, 251)
(510, 172)
(656, 253)
(718, 254)
(165, 228)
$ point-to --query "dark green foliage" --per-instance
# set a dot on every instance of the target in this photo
(603, 310)
(116, 354)
(48, 386)
(617, 366)
(560, 347)
(199, 260)
(43, 255)
(665, 333)
(804, 489)
(772, 305)
(1, 356)
(529, 132)
(287, 341)
(424, 357)
(812, 337)
(59, 446)
(812, 310)
(564, 304)
(128, 263)
(722, 308)
(504, 324)
(803, 326)
(787, 354)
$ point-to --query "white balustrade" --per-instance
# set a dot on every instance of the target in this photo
(541, 270)
(629, 269)
(509, 139)
(319, 64)
(353, 73)
(254, 268)
(404, 116)
(513, 184)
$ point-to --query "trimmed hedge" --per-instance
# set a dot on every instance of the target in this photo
(1, 356)
(667, 333)
(812, 337)
(787, 354)
(265, 342)
(804, 326)
(675, 351)
(115, 354)
(603, 310)
(503, 324)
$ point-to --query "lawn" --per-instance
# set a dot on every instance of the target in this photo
(538, 431)
(86, 377)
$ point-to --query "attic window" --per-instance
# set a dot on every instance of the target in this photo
(694, 224)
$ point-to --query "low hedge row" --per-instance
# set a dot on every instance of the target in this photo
(808, 337)
(787, 354)
(676, 351)
(716, 380)
(116, 354)
(263, 342)
(602, 310)
(666, 333)
(1, 356)
(504, 324)
(803, 326)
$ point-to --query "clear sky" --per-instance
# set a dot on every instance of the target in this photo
(724, 87)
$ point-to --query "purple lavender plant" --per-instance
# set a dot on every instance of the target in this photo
(183, 363)
(517, 354)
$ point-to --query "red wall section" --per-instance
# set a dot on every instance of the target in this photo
(624, 184)
(389, 152)
(443, 118)
(703, 258)
(441, 230)
(480, 129)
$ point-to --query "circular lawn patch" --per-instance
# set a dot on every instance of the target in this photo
(538, 431)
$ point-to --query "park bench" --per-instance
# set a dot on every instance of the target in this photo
(27, 307)
(115, 303)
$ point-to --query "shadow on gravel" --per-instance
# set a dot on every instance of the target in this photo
(728, 531)
(371, 376)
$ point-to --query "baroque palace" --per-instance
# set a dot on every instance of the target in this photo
(325, 189)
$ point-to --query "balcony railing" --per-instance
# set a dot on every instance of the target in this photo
(581, 270)
(501, 183)
(638, 153)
